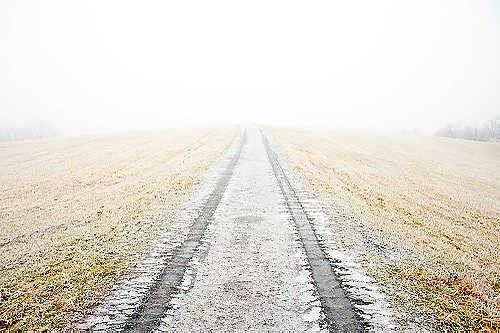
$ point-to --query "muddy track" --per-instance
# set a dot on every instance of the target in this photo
(340, 315)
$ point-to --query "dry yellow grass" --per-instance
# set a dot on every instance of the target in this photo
(76, 213)
(440, 196)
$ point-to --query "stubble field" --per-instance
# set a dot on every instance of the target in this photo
(436, 198)
(76, 213)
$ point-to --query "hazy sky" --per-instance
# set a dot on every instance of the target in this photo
(87, 66)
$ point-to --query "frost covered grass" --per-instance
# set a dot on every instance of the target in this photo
(77, 213)
(437, 197)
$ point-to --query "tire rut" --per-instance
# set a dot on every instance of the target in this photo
(156, 305)
(336, 306)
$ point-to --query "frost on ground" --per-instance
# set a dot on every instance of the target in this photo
(419, 214)
(77, 213)
(234, 261)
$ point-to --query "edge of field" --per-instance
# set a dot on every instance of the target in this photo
(54, 276)
(426, 289)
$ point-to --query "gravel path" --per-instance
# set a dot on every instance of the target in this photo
(245, 258)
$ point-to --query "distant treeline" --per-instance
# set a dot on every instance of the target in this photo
(490, 131)
(27, 132)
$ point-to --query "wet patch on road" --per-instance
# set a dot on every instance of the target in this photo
(248, 219)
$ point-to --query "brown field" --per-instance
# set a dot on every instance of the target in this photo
(440, 197)
(76, 213)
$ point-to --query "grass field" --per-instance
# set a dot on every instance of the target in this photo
(440, 197)
(76, 213)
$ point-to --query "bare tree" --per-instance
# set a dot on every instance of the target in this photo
(36, 130)
(494, 128)
(447, 131)
(489, 132)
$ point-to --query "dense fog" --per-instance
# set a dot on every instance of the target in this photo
(73, 68)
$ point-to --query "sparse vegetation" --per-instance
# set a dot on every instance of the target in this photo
(76, 213)
(438, 196)
(454, 303)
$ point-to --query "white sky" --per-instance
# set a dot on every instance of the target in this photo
(86, 66)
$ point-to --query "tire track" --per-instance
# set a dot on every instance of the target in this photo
(338, 310)
(157, 303)
(139, 302)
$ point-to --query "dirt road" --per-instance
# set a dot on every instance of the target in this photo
(245, 255)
